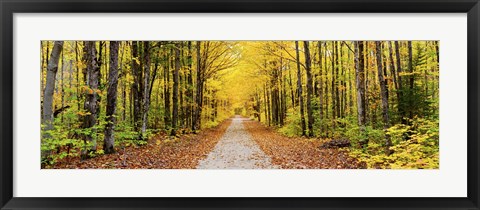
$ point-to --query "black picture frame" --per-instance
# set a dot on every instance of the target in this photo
(10, 7)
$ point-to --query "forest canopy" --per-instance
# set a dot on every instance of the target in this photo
(377, 101)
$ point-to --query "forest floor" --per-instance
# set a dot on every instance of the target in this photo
(298, 152)
(161, 152)
(237, 143)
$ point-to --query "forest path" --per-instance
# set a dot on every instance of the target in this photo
(236, 150)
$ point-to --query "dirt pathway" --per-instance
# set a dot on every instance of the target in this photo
(236, 150)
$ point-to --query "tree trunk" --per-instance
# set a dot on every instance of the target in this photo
(436, 78)
(333, 86)
(392, 70)
(309, 88)
(153, 76)
(43, 65)
(401, 106)
(320, 83)
(326, 107)
(299, 87)
(166, 90)
(360, 83)
(411, 79)
(383, 92)
(274, 95)
(343, 91)
(292, 92)
(109, 141)
(62, 82)
(70, 77)
(266, 103)
(181, 92)
(284, 100)
(146, 85)
(189, 94)
(367, 84)
(199, 94)
(258, 110)
(282, 93)
(52, 68)
(77, 66)
(42, 88)
(91, 96)
(337, 78)
(124, 88)
(175, 89)
(136, 96)
(350, 82)
(269, 111)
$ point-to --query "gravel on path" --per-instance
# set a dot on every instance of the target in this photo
(236, 150)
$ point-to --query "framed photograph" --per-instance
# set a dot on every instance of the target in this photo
(239, 105)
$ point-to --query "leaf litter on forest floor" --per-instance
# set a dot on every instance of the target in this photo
(161, 152)
(298, 152)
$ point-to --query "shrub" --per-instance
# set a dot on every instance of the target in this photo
(419, 151)
(292, 125)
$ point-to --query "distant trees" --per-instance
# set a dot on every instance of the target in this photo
(212, 57)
